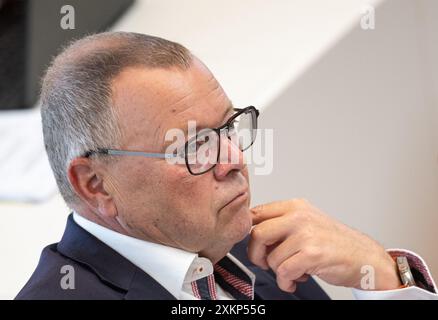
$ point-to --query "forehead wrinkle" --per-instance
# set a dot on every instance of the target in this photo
(160, 132)
(179, 101)
(157, 116)
(216, 88)
(174, 111)
(179, 108)
(227, 113)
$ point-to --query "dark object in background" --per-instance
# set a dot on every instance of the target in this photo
(31, 34)
(12, 53)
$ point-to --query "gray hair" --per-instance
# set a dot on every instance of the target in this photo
(77, 112)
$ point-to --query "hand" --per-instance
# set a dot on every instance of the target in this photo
(296, 240)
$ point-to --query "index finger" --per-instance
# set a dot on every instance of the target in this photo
(275, 209)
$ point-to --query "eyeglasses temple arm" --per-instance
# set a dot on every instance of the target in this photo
(113, 152)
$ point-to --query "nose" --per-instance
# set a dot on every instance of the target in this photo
(231, 159)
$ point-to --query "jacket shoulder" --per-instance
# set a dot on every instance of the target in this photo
(58, 277)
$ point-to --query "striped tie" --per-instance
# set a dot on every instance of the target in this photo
(230, 277)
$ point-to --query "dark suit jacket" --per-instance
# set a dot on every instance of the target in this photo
(102, 273)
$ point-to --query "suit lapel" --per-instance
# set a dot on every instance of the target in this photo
(108, 265)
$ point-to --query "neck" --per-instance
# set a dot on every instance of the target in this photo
(214, 254)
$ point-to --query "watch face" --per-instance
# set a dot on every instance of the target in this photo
(405, 271)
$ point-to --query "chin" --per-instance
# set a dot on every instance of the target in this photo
(228, 234)
(239, 227)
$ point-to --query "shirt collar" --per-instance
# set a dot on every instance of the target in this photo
(167, 265)
(171, 267)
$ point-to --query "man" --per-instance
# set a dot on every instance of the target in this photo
(145, 228)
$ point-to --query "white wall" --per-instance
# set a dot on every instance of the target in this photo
(254, 47)
(357, 134)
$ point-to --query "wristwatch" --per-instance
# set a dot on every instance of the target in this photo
(404, 271)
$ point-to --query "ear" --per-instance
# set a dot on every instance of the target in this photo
(88, 183)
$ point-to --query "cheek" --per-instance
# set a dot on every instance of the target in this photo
(140, 191)
(169, 197)
(192, 193)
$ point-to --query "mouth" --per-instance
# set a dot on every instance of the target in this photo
(238, 199)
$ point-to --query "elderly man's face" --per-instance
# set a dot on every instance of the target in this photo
(162, 202)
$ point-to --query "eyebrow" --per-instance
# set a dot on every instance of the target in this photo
(228, 110)
(224, 118)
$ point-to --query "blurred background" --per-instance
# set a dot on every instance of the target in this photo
(350, 88)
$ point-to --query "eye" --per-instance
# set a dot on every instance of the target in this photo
(204, 140)
(194, 145)
(180, 152)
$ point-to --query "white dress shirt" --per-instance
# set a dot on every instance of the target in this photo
(408, 293)
(176, 269)
(173, 268)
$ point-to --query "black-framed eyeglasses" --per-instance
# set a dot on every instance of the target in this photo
(202, 152)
